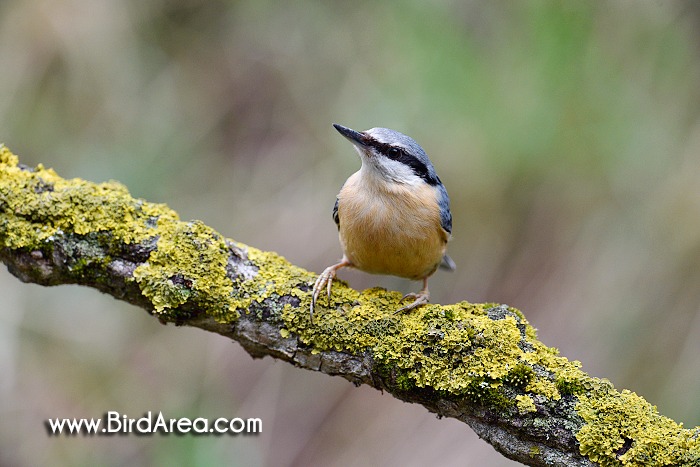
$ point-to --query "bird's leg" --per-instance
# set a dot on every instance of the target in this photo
(420, 298)
(326, 279)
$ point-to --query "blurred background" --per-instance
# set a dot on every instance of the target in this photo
(567, 134)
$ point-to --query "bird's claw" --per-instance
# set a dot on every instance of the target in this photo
(419, 299)
(325, 279)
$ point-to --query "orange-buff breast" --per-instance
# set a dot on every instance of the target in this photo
(392, 230)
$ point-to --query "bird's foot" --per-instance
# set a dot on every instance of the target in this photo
(325, 279)
(419, 299)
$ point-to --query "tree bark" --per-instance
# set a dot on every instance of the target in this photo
(479, 363)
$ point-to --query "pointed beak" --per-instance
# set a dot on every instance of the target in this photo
(355, 137)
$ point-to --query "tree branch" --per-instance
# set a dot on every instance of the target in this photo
(479, 363)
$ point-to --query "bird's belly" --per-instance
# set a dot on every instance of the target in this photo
(379, 243)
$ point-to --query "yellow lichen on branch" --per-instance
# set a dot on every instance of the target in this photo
(624, 429)
(40, 205)
(487, 354)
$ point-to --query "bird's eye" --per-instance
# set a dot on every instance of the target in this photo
(393, 153)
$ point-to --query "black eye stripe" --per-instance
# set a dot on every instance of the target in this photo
(400, 155)
(419, 169)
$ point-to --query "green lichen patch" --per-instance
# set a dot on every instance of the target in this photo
(520, 376)
(486, 392)
(623, 429)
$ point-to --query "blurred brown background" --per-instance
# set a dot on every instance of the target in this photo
(567, 134)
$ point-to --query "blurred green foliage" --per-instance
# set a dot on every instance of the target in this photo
(566, 132)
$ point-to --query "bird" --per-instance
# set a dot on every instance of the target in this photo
(393, 215)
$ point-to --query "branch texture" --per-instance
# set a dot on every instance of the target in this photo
(479, 363)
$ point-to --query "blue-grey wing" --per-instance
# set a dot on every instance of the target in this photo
(446, 222)
(335, 213)
(444, 203)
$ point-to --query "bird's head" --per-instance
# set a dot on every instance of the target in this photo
(391, 155)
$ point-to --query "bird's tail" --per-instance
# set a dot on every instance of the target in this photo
(447, 263)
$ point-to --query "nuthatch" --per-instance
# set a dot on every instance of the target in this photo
(393, 215)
